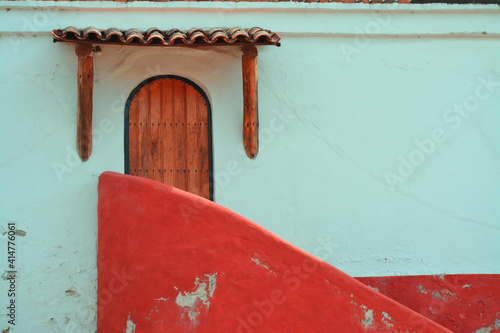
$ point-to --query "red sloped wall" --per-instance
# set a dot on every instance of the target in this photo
(169, 261)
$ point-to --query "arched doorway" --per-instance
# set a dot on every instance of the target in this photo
(168, 136)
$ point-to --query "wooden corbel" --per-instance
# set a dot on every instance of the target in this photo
(250, 102)
(85, 92)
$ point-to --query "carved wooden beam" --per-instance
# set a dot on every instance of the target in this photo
(85, 90)
(250, 102)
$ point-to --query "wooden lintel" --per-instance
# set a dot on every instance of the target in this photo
(250, 102)
(85, 97)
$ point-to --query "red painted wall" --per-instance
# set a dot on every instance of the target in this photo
(169, 261)
(461, 303)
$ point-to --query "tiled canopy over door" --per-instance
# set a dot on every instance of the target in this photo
(169, 134)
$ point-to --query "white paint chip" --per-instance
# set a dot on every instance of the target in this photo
(161, 299)
(386, 316)
(212, 280)
(387, 320)
(421, 289)
(203, 292)
(483, 330)
(368, 320)
(263, 265)
(260, 263)
(130, 325)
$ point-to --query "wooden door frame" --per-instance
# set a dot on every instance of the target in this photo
(209, 120)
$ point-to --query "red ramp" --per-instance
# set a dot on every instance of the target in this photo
(170, 261)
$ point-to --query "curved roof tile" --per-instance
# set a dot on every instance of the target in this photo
(155, 36)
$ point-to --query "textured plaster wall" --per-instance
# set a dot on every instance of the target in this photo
(339, 112)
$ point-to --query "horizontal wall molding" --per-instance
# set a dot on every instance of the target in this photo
(408, 36)
(287, 19)
(250, 6)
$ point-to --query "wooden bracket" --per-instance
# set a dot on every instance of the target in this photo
(85, 92)
(250, 101)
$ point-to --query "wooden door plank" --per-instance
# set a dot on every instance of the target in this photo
(184, 135)
(143, 105)
(161, 130)
(169, 133)
(180, 110)
(133, 138)
(193, 141)
(154, 112)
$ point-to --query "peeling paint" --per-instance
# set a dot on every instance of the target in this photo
(161, 299)
(189, 298)
(387, 320)
(497, 324)
(72, 292)
(212, 280)
(260, 263)
(155, 309)
(20, 232)
(375, 288)
(421, 289)
(386, 316)
(483, 330)
(368, 320)
(130, 325)
(6, 275)
(451, 303)
(263, 264)
(202, 292)
(445, 295)
(193, 314)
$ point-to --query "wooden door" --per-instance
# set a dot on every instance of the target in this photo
(168, 134)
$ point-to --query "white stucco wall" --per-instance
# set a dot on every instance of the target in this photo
(339, 111)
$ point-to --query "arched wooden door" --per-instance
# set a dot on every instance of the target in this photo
(168, 134)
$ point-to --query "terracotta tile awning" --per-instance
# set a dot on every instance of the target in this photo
(172, 37)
